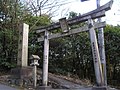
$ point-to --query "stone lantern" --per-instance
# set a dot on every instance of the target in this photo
(34, 64)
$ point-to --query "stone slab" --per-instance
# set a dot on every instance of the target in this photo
(44, 88)
(4, 87)
(99, 88)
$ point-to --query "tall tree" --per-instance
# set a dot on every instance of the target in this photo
(9, 23)
(12, 13)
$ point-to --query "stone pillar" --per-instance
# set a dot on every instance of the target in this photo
(22, 72)
(22, 59)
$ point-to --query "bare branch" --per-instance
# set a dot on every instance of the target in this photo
(61, 4)
(44, 3)
(38, 7)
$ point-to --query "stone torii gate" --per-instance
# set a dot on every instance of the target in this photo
(64, 25)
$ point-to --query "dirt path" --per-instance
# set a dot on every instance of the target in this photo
(66, 84)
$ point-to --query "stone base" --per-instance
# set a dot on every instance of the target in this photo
(21, 75)
(44, 88)
(21, 72)
(100, 88)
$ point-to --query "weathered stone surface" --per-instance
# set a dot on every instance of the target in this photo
(21, 76)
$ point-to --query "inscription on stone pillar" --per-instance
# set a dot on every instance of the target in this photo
(22, 59)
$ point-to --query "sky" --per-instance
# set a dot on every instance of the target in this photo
(112, 16)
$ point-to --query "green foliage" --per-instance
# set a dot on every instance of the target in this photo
(72, 14)
(112, 46)
(35, 21)
(9, 13)
(71, 54)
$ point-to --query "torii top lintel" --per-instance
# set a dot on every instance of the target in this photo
(97, 13)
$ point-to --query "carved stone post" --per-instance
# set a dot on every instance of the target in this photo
(22, 59)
